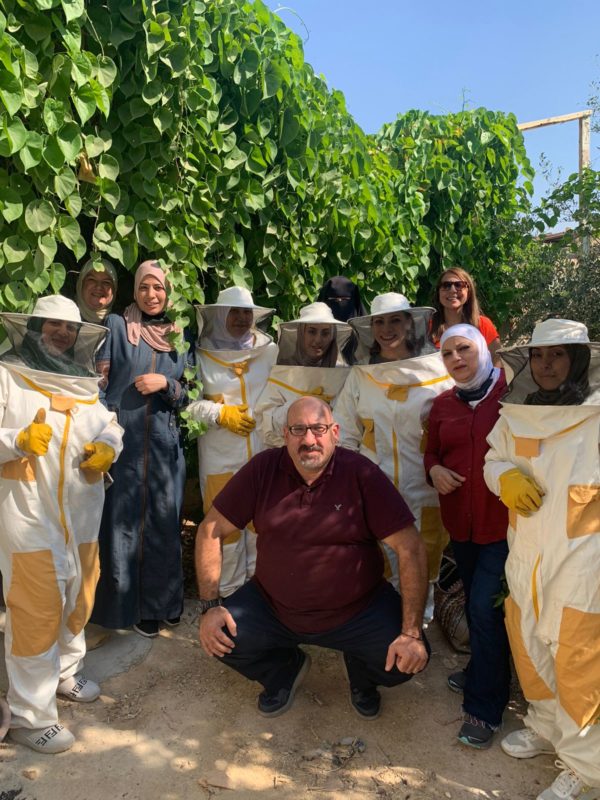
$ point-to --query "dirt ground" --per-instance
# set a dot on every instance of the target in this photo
(179, 726)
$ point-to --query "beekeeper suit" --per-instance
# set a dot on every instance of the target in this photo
(233, 365)
(56, 442)
(310, 363)
(544, 464)
(382, 411)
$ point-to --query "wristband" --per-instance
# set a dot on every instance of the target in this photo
(410, 636)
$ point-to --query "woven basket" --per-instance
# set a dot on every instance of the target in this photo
(450, 602)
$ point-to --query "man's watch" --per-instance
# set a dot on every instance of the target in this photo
(205, 605)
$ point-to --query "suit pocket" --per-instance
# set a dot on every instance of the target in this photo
(34, 602)
(21, 469)
(583, 510)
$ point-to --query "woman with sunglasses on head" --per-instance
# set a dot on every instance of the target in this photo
(476, 520)
(456, 302)
(383, 407)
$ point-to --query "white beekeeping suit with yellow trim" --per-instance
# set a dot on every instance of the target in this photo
(234, 359)
(383, 410)
(309, 363)
(544, 464)
(56, 443)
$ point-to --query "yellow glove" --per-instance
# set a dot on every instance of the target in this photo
(99, 457)
(35, 438)
(235, 419)
(520, 493)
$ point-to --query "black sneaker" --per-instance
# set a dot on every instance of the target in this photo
(272, 705)
(476, 733)
(457, 681)
(366, 703)
(147, 627)
(173, 622)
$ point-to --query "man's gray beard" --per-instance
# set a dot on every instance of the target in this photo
(313, 465)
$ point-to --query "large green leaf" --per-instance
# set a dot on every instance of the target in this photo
(65, 183)
(73, 8)
(11, 92)
(15, 249)
(84, 100)
(31, 153)
(39, 216)
(53, 154)
(69, 140)
(107, 71)
(108, 167)
(94, 145)
(57, 275)
(16, 135)
(81, 69)
(68, 231)
(54, 114)
(11, 204)
(46, 250)
(110, 192)
(73, 204)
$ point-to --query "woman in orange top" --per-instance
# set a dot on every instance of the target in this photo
(455, 302)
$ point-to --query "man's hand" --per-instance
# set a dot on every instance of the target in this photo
(445, 480)
(150, 383)
(408, 655)
(212, 638)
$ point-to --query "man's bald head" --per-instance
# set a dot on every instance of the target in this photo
(309, 405)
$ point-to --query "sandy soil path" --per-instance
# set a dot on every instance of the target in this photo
(178, 726)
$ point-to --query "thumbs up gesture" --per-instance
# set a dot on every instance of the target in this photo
(35, 438)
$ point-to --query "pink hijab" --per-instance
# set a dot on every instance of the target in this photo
(154, 334)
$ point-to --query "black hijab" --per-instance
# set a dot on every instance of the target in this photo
(576, 387)
(343, 310)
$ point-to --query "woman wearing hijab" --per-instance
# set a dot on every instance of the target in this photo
(384, 405)
(310, 362)
(56, 442)
(96, 290)
(141, 583)
(544, 465)
(234, 359)
(459, 422)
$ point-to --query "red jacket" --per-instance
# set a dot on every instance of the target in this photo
(457, 440)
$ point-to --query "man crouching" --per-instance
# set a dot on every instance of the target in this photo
(320, 512)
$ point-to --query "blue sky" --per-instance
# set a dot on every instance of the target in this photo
(536, 58)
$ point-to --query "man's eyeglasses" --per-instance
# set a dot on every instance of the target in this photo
(458, 285)
(318, 429)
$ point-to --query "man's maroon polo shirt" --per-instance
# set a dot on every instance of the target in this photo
(318, 562)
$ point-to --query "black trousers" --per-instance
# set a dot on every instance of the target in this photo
(266, 651)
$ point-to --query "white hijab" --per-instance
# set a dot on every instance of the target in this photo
(485, 366)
